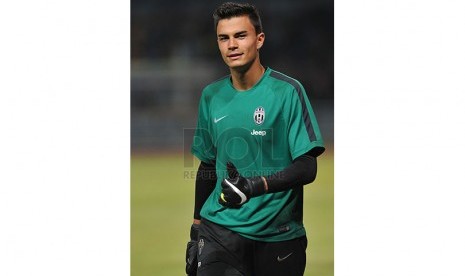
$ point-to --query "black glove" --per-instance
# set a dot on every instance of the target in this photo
(191, 251)
(237, 190)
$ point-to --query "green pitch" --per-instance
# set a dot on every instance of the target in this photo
(162, 196)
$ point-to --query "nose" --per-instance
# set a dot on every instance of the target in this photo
(232, 44)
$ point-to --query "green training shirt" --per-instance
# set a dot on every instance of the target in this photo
(261, 131)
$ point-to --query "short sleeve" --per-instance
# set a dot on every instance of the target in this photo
(202, 145)
(303, 131)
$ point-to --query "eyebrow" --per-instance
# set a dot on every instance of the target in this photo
(236, 34)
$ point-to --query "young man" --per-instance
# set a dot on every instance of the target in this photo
(257, 139)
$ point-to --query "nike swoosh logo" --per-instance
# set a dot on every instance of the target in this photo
(219, 119)
(237, 191)
(285, 257)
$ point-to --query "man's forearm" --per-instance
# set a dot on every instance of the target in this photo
(237, 190)
(204, 185)
(302, 171)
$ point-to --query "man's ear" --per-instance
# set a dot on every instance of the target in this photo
(260, 40)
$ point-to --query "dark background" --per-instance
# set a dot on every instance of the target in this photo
(174, 55)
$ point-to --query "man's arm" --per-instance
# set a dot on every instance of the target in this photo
(237, 190)
(301, 172)
(204, 185)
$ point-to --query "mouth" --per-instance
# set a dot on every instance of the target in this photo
(234, 56)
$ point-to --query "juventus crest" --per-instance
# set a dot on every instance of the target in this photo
(259, 115)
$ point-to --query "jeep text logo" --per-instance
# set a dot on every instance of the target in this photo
(260, 132)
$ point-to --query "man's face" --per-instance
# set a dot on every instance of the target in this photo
(238, 42)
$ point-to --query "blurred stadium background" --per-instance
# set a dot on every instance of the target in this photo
(173, 56)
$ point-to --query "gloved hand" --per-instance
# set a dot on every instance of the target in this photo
(237, 190)
(191, 251)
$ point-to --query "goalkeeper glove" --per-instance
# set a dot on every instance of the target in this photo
(237, 190)
(191, 251)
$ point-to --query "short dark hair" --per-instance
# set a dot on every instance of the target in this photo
(232, 9)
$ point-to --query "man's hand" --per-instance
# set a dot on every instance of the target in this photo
(191, 251)
(237, 190)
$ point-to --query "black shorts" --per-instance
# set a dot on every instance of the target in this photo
(223, 252)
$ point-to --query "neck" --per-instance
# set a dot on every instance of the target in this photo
(247, 78)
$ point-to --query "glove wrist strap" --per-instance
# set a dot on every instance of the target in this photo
(258, 186)
(194, 232)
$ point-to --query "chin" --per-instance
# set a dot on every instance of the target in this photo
(239, 66)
